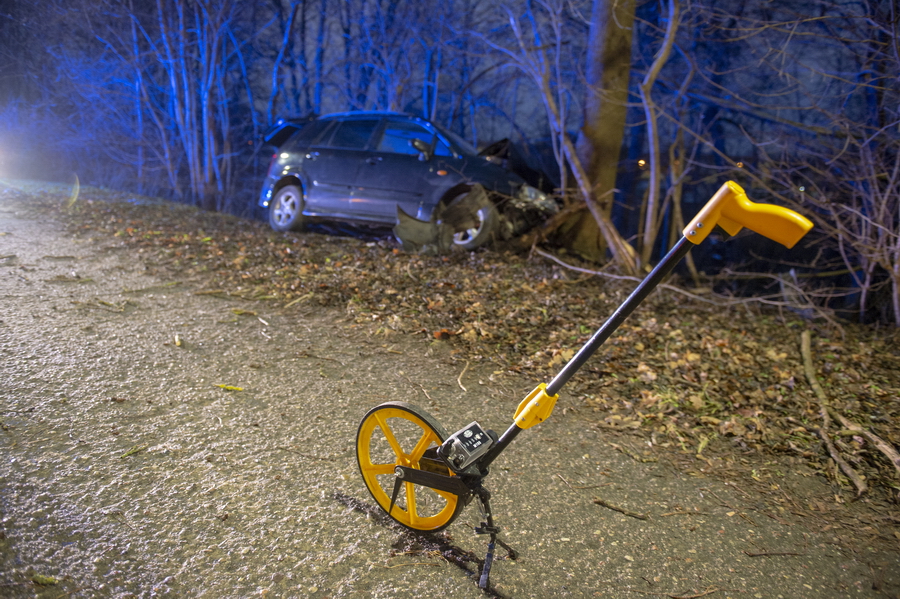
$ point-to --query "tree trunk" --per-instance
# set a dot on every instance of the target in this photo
(600, 139)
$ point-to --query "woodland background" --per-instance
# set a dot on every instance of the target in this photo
(637, 109)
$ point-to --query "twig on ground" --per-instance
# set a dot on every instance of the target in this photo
(704, 593)
(882, 445)
(459, 378)
(667, 514)
(120, 517)
(721, 501)
(420, 387)
(152, 287)
(771, 553)
(806, 351)
(578, 487)
(734, 486)
(411, 564)
(73, 591)
(615, 508)
(631, 454)
(299, 299)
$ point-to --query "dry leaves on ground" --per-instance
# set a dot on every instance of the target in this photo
(688, 375)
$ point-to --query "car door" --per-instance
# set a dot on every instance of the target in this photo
(395, 173)
(331, 165)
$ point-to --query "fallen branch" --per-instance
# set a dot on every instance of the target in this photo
(152, 287)
(299, 299)
(714, 299)
(410, 564)
(633, 455)
(883, 446)
(614, 508)
(704, 593)
(607, 275)
(560, 477)
(806, 351)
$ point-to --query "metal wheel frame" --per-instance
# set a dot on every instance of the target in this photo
(407, 512)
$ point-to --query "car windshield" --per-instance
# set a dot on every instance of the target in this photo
(458, 141)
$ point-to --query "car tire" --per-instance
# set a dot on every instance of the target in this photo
(286, 209)
(488, 223)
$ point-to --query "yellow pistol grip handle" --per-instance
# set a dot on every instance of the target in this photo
(731, 209)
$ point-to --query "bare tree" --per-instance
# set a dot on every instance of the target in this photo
(779, 95)
(287, 17)
(816, 129)
(537, 50)
(652, 208)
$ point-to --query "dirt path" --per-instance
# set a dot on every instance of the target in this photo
(128, 472)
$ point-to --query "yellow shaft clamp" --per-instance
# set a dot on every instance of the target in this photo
(732, 210)
(535, 408)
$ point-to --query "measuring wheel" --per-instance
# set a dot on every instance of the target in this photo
(422, 477)
(397, 434)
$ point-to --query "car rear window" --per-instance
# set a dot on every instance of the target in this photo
(352, 134)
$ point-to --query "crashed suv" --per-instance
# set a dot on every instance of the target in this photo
(395, 169)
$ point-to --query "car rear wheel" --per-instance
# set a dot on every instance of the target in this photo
(484, 221)
(286, 209)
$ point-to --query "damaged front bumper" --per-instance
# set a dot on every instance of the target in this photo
(462, 219)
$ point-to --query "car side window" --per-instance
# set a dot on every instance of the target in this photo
(308, 134)
(397, 137)
(353, 134)
(442, 149)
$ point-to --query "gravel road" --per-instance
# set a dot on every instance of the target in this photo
(128, 470)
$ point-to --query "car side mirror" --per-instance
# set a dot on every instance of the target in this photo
(423, 148)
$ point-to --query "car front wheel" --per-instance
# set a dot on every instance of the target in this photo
(482, 216)
(286, 209)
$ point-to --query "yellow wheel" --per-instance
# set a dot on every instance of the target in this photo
(399, 434)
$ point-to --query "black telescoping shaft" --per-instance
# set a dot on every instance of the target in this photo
(665, 266)
(673, 257)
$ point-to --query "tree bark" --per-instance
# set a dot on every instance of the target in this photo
(600, 139)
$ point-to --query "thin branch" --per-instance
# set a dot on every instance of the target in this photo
(810, 371)
(883, 446)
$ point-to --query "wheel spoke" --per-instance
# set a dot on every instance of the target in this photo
(377, 469)
(411, 504)
(389, 435)
(416, 454)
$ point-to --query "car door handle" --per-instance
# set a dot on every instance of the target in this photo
(373, 159)
(312, 155)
